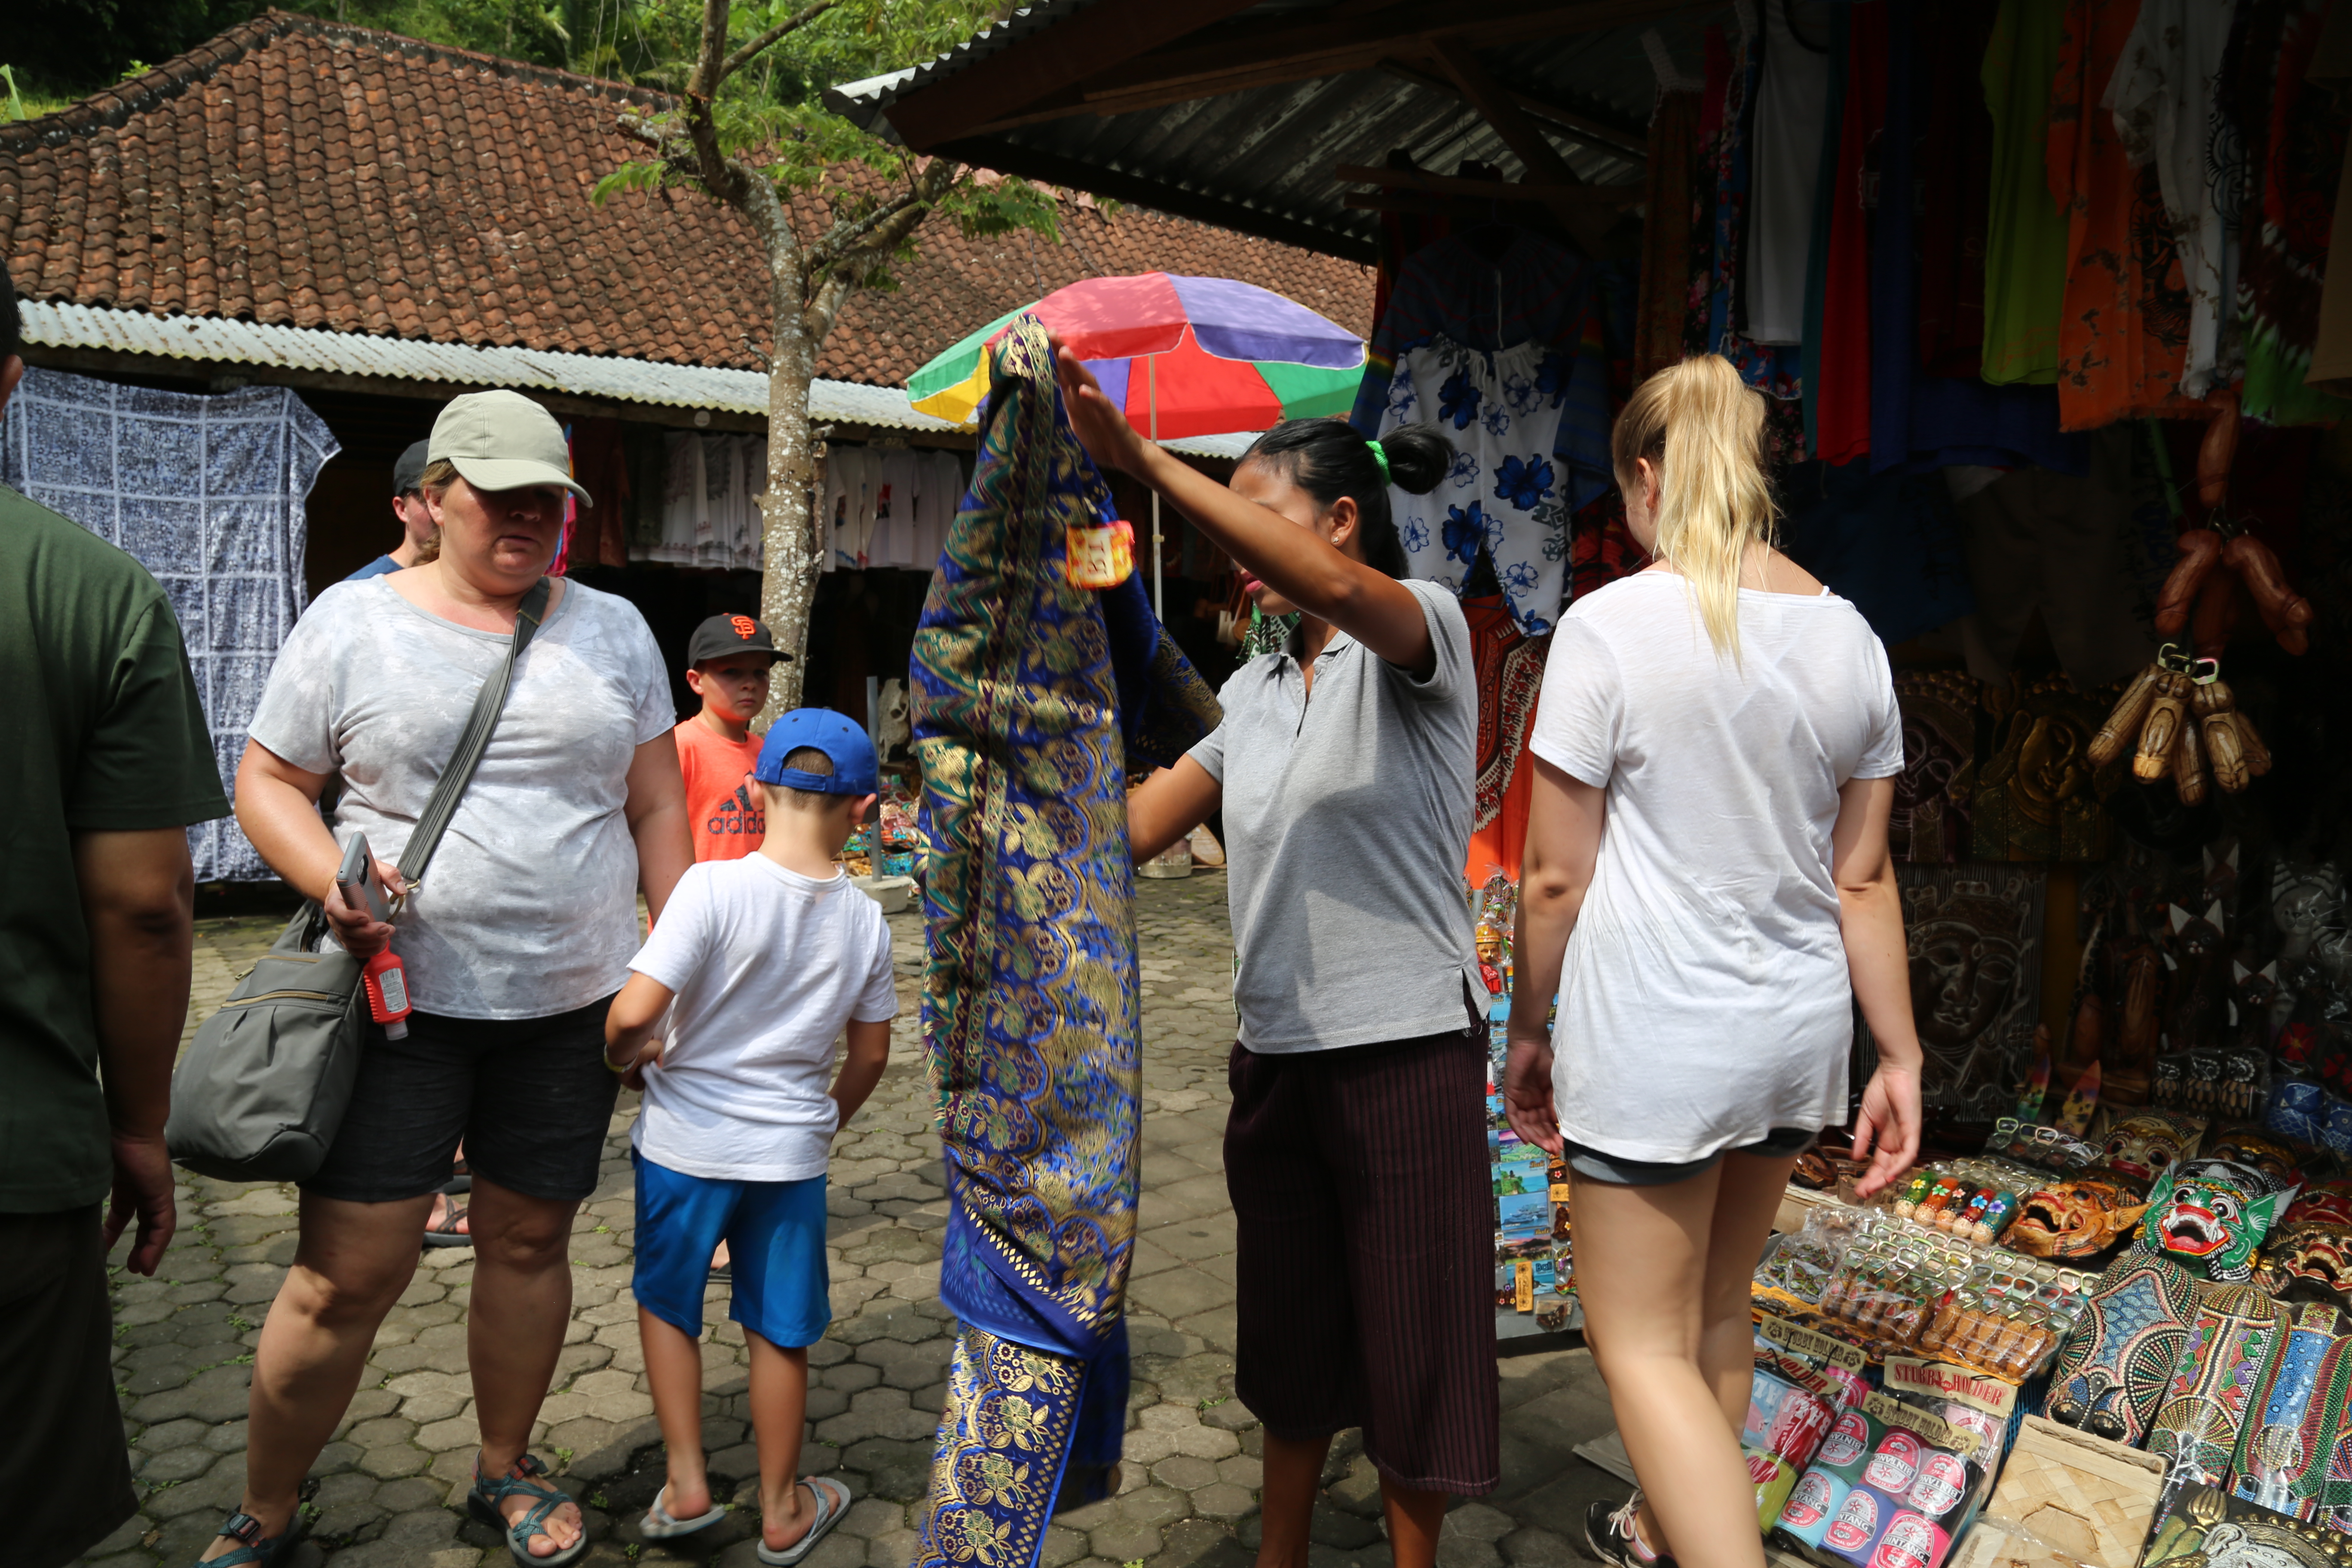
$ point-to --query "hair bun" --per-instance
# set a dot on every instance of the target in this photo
(1418, 456)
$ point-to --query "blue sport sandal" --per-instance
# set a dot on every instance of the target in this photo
(483, 1501)
(253, 1547)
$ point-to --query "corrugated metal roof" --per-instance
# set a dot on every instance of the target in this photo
(213, 341)
(1261, 159)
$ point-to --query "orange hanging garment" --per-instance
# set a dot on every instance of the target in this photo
(1509, 671)
(2124, 333)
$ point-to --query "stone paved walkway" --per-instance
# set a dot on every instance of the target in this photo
(185, 1341)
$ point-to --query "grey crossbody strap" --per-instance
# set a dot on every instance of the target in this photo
(487, 704)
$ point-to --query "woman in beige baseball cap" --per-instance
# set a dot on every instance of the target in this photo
(514, 943)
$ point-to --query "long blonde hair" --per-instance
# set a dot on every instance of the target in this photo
(1702, 430)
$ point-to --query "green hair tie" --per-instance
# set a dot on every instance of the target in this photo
(1380, 456)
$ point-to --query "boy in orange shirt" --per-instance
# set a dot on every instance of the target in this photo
(728, 660)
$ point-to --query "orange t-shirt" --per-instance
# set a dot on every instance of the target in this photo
(728, 817)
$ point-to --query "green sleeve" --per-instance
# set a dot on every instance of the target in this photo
(148, 762)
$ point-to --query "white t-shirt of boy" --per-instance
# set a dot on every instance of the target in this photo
(768, 966)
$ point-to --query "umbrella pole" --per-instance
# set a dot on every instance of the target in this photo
(1152, 395)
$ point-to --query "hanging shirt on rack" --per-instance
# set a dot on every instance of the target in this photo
(1840, 392)
(848, 501)
(1955, 161)
(685, 505)
(2126, 330)
(1725, 167)
(894, 541)
(2160, 94)
(2025, 233)
(2295, 143)
(1503, 493)
(1791, 108)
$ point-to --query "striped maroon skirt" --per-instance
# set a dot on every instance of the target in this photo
(1365, 1250)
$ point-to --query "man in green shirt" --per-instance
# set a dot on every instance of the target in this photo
(104, 761)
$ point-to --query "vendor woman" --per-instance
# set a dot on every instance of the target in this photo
(1707, 890)
(1356, 1147)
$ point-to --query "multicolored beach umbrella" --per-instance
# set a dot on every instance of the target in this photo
(1185, 356)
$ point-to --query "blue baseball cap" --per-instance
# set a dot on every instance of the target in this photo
(854, 765)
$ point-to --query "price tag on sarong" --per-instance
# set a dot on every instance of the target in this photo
(1098, 557)
(1524, 1269)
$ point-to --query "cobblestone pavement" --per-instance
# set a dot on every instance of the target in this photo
(185, 1340)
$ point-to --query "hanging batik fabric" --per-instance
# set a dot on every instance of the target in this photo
(2295, 136)
(2125, 334)
(1032, 698)
(206, 492)
(1502, 412)
(2160, 94)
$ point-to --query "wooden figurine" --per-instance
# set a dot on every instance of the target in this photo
(2160, 735)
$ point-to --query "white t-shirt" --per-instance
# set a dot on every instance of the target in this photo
(530, 907)
(769, 966)
(1706, 998)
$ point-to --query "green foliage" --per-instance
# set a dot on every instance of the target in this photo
(771, 116)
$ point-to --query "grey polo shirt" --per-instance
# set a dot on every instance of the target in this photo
(1346, 825)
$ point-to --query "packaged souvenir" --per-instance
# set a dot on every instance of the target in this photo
(1909, 1480)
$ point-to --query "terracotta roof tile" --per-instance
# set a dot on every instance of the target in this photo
(297, 173)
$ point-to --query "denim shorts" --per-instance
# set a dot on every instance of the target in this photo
(531, 1097)
(774, 1233)
(1781, 1143)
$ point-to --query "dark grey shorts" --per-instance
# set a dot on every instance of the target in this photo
(1781, 1142)
(531, 1097)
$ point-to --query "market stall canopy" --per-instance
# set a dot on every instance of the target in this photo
(1246, 112)
(1185, 356)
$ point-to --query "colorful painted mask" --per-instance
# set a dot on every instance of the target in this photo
(2074, 1219)
(2146, 1145)
(2313, 1259)
(2328, 1201)
(2209, 1224)
(2246, 1146)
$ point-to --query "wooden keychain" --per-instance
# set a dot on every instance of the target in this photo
(2181, 721)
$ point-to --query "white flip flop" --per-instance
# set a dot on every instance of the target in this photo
(831, 1502)
(658, 1525)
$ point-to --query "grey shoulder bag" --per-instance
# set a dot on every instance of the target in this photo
(262, 1089)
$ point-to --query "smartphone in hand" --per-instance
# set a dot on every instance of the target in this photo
(361, 886)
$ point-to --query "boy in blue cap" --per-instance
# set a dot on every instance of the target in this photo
(759, 963)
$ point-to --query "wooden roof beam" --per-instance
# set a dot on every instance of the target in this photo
(1543, 163)
(1613, 141)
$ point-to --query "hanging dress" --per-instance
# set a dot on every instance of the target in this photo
(2025, 233)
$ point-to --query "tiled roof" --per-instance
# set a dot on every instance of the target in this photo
(297, 173)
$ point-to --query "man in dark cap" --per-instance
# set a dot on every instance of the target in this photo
(420, 540)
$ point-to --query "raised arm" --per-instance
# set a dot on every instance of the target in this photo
(1367, 604)
(1564, 821)
(1870, 917)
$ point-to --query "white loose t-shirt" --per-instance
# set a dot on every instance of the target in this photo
(768, 966)
(529, 906)
(1706, 998)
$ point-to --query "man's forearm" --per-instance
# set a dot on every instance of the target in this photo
(140, 973)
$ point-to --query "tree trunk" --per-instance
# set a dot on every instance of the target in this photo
(787, 511)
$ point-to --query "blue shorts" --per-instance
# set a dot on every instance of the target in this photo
(774, 1233)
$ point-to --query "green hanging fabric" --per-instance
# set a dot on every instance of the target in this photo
(2025, 231)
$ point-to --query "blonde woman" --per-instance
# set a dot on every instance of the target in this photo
(1706, 884)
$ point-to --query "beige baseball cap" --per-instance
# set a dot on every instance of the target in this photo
(503, 441)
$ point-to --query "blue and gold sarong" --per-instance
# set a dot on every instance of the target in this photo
(1031, 696)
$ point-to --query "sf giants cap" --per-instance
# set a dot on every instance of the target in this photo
(503, 441)
(854, 765)
(723, 635)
